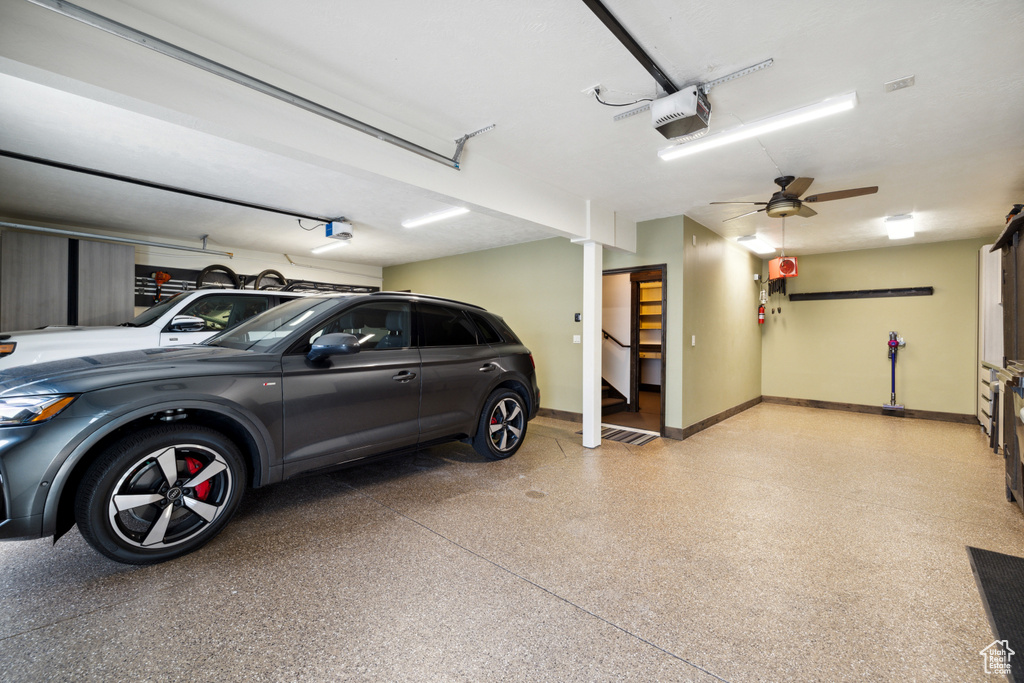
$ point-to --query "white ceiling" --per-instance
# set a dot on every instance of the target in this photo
(948, 149)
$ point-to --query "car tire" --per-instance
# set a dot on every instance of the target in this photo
(270, 279)
(133, 504)
(502, 425)
(217, 276)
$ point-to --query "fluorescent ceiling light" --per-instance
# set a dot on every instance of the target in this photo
(756, 244)
(327, 247)
(900, 227)
(433, 217)
(832, 105)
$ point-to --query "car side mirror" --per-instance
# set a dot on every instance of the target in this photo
(187, 323)
(335, 344)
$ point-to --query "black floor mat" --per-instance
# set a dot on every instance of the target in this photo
(1000, 580)
(631, 436)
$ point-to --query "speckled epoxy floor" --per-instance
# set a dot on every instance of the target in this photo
(782, 544)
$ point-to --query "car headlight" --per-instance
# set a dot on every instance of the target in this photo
(24, 410)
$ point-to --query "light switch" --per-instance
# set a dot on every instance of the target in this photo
(693, 340)
(577, 339)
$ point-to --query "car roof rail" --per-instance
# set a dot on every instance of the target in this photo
(430, 297)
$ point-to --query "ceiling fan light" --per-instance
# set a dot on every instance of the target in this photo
(832, 105)
(434, 217)
(900, 227)
(781, 208)
(756, 244)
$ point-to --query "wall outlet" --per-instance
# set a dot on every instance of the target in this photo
(577, 339)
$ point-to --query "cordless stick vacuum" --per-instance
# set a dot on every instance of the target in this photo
(895, 344)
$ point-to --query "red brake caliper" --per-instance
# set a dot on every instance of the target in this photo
(203, 490)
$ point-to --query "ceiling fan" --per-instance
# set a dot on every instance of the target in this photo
(787, 202)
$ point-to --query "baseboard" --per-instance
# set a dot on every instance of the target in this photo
(873, 410)
(656, 388)
(566, 415)
(687, 432)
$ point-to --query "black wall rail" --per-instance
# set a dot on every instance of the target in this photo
(863, 294)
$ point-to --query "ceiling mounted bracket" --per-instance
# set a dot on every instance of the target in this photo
(461, 142)
(704, 87)
(146, 40)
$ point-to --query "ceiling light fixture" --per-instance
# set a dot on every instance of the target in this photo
(900, 227)
(434, 217)
(832, 105)
(328, 247)
(756, 244)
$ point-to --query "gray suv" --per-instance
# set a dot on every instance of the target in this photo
(150, 451)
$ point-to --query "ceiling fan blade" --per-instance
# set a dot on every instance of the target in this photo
(798, 186)
(806, 212)
(748, 213)
(754, 203)
(841, 194)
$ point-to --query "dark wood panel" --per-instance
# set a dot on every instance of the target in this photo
(874, 410)
(863, 294)
(33, 281)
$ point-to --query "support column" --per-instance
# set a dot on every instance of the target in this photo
(593, 265)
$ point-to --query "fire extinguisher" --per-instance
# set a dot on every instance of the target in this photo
(760, 314)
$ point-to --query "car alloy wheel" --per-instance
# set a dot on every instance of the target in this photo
(160, 494)
(502, 425)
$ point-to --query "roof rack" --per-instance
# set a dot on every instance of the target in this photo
(429, 296)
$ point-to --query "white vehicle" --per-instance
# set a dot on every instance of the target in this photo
(186, 318)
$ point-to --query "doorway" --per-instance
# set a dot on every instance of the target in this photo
(632, 348)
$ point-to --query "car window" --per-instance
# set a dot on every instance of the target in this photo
(221, 311)
(267, 329)
(488, 335)
(378, 325)
(443, 326)
(148, 316)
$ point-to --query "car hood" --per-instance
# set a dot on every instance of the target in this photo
(88, 373)
(50, 343)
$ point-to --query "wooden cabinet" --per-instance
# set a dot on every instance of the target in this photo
(1010, 244)
(33, 281)
(48, 280)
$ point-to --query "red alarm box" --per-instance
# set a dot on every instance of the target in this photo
(783, 266)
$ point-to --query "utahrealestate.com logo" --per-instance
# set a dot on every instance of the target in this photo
(997, 657)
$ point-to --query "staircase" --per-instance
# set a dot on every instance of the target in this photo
(611, 400)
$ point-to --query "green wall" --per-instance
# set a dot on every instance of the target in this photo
(820, 350)
(536, 287)
(836, 350)
(720, 298)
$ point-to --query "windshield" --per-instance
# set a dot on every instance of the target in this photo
(270, 327)
(150, 314)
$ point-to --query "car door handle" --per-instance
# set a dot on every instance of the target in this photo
(404, 376)
(487, 367)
